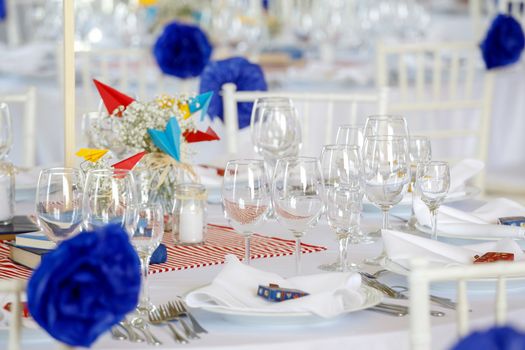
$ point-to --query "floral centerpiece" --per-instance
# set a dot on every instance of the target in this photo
(161, 131)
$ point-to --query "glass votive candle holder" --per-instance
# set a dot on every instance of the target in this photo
(189, 214)
(7, 193)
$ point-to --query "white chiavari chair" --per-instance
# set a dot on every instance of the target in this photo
(231, 97)
(28, 101)
(15, 288)
(445, 93)
(420, 278)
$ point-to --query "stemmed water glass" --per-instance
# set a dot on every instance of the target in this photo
(386, 172)
(6, 136)
(432, 184)
(420, 152)
(146, 229)
(245, 197)
(343, 211)
(109, 197)
(59, 202)
(297, 192)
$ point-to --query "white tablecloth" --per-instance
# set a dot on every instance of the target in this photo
(360, 330)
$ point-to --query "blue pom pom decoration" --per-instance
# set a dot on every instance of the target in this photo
(245, 75)
(503, 43)
(182, 50)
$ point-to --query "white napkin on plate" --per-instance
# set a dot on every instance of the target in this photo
(402, 247)
(235, 288)
(462, 172)
(481, 222)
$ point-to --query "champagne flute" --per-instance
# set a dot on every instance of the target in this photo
(146, 230)
(109, 197)
(350, 134)
(432, 184)
(420, 152)
(245, 197)
(343, 210)
(386, 171)
(6, 132)
(59, 202)
(297, 192)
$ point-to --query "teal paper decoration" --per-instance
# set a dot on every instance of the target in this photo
(168, 140)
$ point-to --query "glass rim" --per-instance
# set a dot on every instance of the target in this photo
(386, 137)
(298, 158)
(433, 163)
(340, 145)
(190, 188)
(61, 170)
(109, 171)
(274, 98)
(386, 116)
(244, 161)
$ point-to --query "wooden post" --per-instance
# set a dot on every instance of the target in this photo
(69, 82)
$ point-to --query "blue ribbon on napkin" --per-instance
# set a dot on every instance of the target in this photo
(159, 256)
(245, 75)
(182, 50)
(495, 338)
(85, 286)
(168, 140)
(503, 43)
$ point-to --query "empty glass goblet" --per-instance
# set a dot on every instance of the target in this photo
(245, 197)
(432, 184)
(145, 229)
(59, 202)
(297, 192)
(343, 210)
(350, 134)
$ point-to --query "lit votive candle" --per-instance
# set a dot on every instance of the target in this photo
(189, 214)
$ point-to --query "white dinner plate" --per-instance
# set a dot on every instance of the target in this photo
(372, 298)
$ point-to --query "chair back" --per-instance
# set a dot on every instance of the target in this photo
(419, 282)
(28, 101)
(231, 97)
(445, 94)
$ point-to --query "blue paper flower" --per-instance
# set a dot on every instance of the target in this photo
(496, 338)
(182, 50)
(503, 43)
(2, 10)
(238, 70)
(85, 286)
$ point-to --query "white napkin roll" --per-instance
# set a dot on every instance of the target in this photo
(235, 288)
(401, 248)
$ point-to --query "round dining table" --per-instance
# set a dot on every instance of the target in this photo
(364, 329)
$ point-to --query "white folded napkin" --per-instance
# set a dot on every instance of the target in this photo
(402, 247)
(462, 172)
(481, 222)
(235, 288)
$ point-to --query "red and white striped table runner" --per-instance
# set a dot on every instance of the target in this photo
(220, 241)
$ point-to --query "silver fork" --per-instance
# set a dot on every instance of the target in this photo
(170, 313)
(156, 318)
(181, 308)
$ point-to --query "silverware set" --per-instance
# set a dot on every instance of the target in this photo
(175, 315)
(396, 292)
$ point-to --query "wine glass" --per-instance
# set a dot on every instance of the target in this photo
(109, 197)
(386, 125)
(146, 229)
(432, 184)
(343, 210)
(386, 172)
(420, 152)
(245, 197)
(6, 132)
(297, 192)
(340, 164)
(59, 202)
(350, 134)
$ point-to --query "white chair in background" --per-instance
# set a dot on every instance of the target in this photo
(28, 100)
(231, 97)
(15, 287)
(419, 281)
(441, 79)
